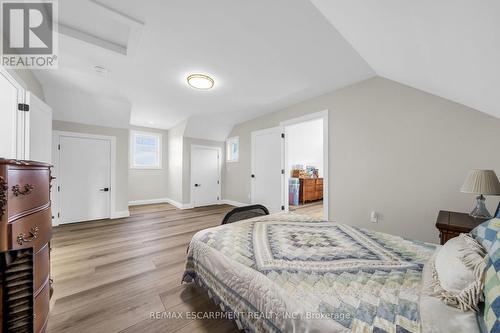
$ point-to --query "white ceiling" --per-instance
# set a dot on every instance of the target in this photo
(450, 48)
(264, 55)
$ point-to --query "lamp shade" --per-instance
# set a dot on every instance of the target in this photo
(481, 182)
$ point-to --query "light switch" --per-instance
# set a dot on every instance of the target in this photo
(374, 217)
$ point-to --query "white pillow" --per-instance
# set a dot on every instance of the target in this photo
(458, 272)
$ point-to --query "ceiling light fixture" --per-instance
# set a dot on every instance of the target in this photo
(200, 81)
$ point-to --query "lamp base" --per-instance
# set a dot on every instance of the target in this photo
(480, 211)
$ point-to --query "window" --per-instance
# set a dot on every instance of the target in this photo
(145, 150)
(233, 149)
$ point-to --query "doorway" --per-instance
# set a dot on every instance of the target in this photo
(84, 170)
(306, 165)
(205, 175)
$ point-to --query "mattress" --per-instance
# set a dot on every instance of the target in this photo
(291, 273)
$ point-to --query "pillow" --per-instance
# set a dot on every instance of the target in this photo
(458, 273)
(488, 234)
(492, 293)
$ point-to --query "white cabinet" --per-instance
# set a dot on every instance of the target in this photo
(25, 123)
(38, 130)
(11, 119)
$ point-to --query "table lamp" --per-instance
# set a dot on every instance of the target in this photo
(482, 182)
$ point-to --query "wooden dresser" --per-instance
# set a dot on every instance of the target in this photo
(452, 224)
(25, 232)
(311, 189)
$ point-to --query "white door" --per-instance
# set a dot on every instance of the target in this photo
(266, 168)
(84, 179)
(39, 130)
(11, 119)
(205, 175)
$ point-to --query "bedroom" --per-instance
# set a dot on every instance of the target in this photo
(156, 115)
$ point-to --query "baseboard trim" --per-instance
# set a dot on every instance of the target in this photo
(234, 203)
(178, 204)
(181, 205)
(148, 202)
(120, 214)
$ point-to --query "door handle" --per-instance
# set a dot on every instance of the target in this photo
(197, 185)
(104, 189)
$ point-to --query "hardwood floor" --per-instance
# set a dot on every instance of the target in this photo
(314, 209)
(110, 275)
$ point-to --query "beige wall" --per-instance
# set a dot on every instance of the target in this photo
(175, 162)
(121, 135)
(393, 149)
(186, 169)
(149, 184)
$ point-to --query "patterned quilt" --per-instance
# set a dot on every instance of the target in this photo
(290, 273)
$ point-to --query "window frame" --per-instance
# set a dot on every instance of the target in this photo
(159, 139)
(229, 142)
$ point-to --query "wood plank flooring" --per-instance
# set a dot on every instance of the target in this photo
(314, 209)
(110, 275)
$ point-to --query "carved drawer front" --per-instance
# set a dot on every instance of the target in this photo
(42, 268)
(319, 181)
(34, 230)
(42, 308)
(28, 189)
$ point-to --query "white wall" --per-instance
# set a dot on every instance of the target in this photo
(392, 149)
(305, 144)
(175, 162)
(29, 81)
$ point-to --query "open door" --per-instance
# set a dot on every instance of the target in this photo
(266, 169)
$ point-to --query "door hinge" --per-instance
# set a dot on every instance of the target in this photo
(218, 198)
(59, 189)
(218, 182)
(58, 147)
(282, 135)
(282, 207)
(58, 215)
(23, 107)
(282, 171)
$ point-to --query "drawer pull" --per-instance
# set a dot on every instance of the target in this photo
(22, 238)
(27, 189)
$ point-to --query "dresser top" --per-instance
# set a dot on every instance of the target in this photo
(4, 161)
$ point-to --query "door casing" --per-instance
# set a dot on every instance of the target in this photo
(286, 167)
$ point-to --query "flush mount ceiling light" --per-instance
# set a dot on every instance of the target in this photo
(200, 81)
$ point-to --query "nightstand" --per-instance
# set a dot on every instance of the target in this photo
(451, 224)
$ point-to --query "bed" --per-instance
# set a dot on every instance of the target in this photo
(290, 273)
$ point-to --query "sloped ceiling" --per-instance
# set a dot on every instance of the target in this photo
(450, 48)
(264, 55)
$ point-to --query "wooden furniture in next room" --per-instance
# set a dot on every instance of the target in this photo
(25, 232)
(311, 189)
(451, 224)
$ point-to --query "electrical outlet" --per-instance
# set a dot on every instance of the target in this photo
(374, 217)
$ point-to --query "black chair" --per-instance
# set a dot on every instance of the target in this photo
(243, 213)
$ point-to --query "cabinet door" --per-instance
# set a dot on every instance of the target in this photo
(38, 132)
(11, 120)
